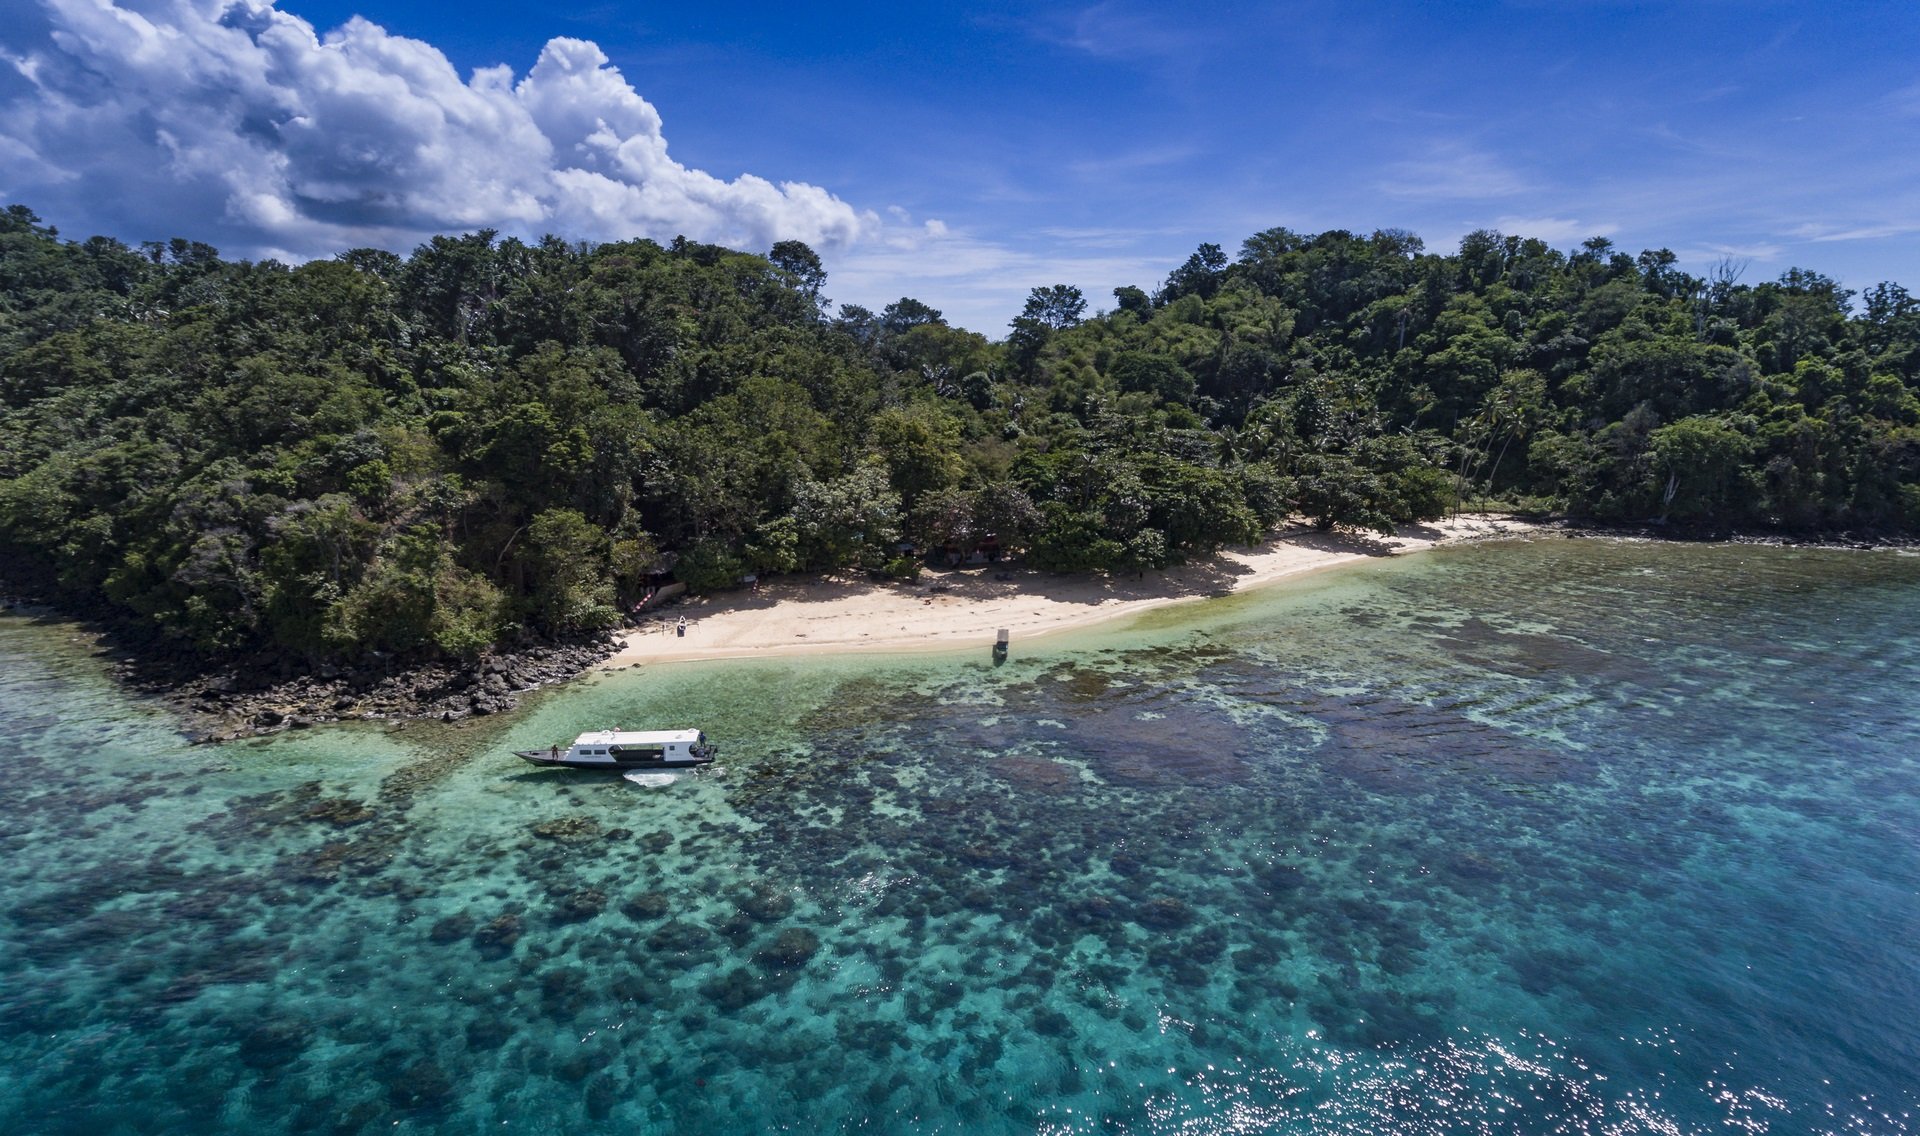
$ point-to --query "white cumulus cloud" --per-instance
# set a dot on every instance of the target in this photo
(236, 120)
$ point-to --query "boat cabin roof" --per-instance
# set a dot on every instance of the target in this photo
(635, 737)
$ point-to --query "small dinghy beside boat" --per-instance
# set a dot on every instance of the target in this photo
(628, 749)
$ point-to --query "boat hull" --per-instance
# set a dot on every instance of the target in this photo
(546, 758)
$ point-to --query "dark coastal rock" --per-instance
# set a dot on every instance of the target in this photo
(263, 693)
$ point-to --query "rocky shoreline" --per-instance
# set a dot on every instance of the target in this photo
(265, 695)
(240, 701)
(227, 700)
(1675, 534)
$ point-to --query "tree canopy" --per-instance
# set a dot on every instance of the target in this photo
(489, 439)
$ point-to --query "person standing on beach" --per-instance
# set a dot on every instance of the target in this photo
(681, 629)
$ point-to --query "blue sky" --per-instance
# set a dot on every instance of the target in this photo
(964, 154)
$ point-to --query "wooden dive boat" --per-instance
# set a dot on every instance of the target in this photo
(628, 749)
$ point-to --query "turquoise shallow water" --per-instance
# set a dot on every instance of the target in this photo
(1568, 837)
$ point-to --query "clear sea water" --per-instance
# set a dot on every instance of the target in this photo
(1559, 837)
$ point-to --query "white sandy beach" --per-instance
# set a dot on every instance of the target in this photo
(944, 611)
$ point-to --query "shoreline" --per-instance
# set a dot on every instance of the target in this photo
(946, 611)
(962, 609)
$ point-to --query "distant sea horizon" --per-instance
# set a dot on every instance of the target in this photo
(1570, 835)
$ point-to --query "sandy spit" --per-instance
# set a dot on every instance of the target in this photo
(961, 609)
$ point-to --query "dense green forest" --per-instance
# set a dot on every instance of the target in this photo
(490, 440)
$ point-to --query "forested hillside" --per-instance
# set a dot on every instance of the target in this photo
(488, 440)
